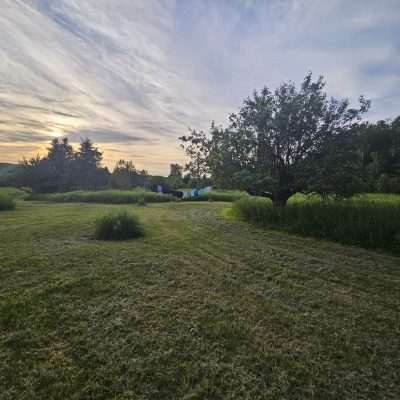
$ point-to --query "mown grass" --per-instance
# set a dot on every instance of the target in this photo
(372, 224)
(201, 307)
(104, 196)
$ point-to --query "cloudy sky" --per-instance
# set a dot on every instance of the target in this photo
(133, 75)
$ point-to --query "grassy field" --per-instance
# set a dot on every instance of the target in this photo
(202, 307)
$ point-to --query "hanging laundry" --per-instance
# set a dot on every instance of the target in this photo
(207, 189)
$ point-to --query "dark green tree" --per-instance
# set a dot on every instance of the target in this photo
(380, 143)
(280, 143)
(62, 169)
(126, 176)
(175, 176)
(88, 173)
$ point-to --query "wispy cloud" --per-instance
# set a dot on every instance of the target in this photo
(133, 75)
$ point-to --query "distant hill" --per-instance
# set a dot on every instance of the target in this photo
(6, 168)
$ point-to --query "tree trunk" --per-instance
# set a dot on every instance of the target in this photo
(280, 198)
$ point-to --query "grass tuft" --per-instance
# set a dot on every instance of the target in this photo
(120, 226)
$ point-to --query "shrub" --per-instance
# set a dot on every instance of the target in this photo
(6, 203)
(103, 196)
(118, 226)
(220, 195)
(359, 222)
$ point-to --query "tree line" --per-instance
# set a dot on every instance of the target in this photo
(64, 169)
(279, 143)
(298, 140)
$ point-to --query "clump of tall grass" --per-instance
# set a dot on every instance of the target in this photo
(356, 222)
(6, 203)
(104, 196)
(120, 226)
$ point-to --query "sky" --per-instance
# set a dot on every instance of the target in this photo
(134, 75)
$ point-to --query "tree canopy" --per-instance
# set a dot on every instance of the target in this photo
(282, 142)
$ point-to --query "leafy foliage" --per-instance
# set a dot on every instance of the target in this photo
(126, 176)
(62, 169)
(380, 144)
(175, 177)
(118, 226)
(277, 141)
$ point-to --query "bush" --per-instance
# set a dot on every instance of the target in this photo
(104, 196)
(220, 195)
(359, 222)
(118, 227)
(6, 203)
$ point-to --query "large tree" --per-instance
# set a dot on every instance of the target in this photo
(126, 176)
(380, 143)
(175, 177)
(282, 142)
(88, 173)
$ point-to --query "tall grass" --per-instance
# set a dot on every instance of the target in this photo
(103, 196)
(12, 192)
(6, 203)
(358, 222)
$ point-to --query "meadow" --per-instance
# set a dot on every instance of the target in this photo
(201, 306)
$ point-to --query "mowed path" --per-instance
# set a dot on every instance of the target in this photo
(203, 307)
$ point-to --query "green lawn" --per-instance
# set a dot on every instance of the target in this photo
(202, 307)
